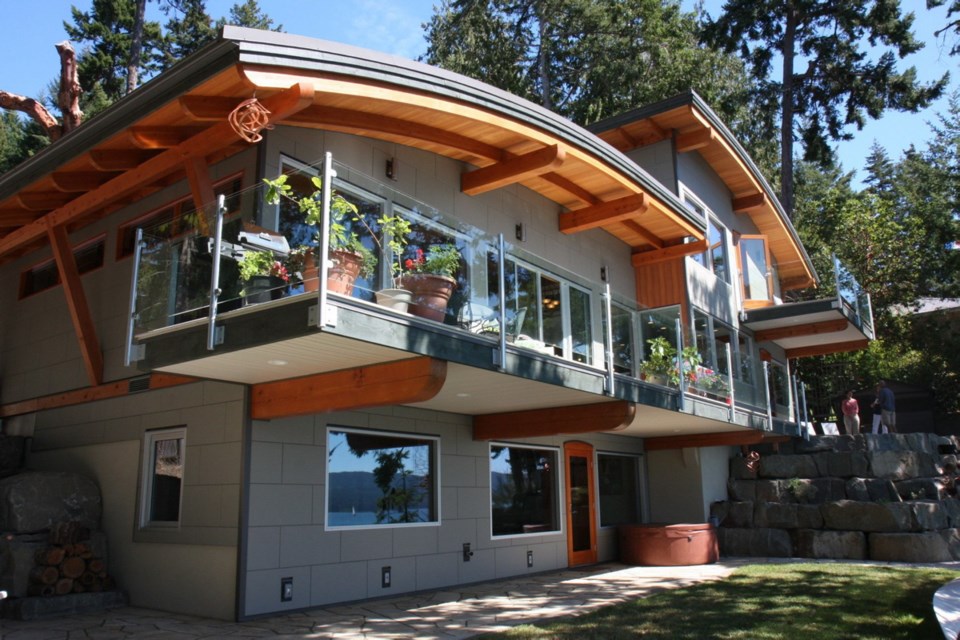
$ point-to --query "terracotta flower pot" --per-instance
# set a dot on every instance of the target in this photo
(431, 293)
(340, 277)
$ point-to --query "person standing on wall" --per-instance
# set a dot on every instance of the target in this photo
(888, 407)
(875, 409)
(850, 409)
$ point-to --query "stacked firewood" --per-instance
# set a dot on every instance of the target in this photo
(68, 564)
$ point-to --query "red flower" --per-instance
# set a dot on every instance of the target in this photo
(408, 264)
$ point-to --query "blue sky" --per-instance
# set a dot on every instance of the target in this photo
(28, 36)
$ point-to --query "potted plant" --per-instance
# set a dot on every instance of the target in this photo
(662, 365)
(351, 259)
(264, 277)
(430, 279)
(395, 231)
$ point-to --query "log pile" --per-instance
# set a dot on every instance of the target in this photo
(67, 564)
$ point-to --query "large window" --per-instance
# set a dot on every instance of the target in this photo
(381, 479)
(621, 326)
(715, 258)
(524, 490)
(162, 483)
(619, 479)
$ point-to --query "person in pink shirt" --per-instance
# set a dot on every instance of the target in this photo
(851, 414)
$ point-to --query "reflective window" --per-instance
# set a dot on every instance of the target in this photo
(524, 490)
(618, 477)
(162, 483)
(755, 268)
(378, 478)
(88, 256)
(623, 345)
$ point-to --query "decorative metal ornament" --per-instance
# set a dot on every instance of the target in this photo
(248, 119)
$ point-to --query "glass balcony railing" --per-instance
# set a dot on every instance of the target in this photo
(199, 265)
(852, 296)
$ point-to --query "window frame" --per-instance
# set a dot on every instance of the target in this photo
(148, 464)
(558, 505)
(434, 468)
(640, 488)
(26, 290)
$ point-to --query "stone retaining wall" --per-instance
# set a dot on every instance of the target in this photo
(886, 497)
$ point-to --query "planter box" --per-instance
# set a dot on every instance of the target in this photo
(668, 545)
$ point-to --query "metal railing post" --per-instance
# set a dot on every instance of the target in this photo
(731, 398)
(766, 390)
(133, 315)
(325, 193)
(803, 406)
(502, 281)
(608, 339)
(681, 397)
(215, 275)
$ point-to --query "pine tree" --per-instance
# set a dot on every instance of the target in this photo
(839, 84)
(188, 30)
(249, 14)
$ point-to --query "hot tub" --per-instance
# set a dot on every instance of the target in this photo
(666, 545)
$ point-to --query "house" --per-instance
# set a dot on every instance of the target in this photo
(264, 454)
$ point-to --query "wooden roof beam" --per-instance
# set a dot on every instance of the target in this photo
(799, 331)
(693, 140)
(650, 237)
(354, 121)
(602, 214)
(750, 202)
(159, 137)
(670, 253)
(280, 105)
(17, 217)
(826, 349)
(584, 418)
(397, 382)
(207, 108)
(696, 440)
(77, 181)
(118, 159)
(798, 282)
(41, 201)
(77, 303)
(511, 171)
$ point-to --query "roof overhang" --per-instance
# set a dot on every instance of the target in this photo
(814, 327)
(177, 124)
(693, 126)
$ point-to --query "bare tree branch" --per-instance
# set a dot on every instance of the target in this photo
(68, 99)
(37, 112)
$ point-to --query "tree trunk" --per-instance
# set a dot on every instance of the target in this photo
(786, 110)
(68, 99)
(136, 47)
(543, 59)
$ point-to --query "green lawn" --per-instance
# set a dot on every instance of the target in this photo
(789, 601)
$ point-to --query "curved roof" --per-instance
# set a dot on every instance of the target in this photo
(177, 123)
(695, 127)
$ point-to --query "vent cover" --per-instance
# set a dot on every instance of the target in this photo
(137, 385)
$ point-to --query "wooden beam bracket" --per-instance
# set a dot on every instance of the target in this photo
(603, 214)
(584, 418)
(669, 253)
(513, 170)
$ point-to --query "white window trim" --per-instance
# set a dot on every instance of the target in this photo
(560, 489)
(150, 438)
(397, 525)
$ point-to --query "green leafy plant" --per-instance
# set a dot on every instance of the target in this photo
(662, 360)
(311, 206)
(441, 260)
(262, 263)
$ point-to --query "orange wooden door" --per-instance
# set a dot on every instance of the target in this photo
(581, 507)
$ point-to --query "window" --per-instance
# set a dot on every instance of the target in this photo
(755, 269)
(88, 256)
(175, 219)
(618, 477)
(712, 340)
(162, 483)
(715, 257)
(377, 479)
(552, 316)
(524, 490)
(778, 381)
(621, 327)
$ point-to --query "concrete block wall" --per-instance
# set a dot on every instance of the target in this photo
(889, 497)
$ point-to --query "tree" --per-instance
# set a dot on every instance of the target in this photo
(585, 59)
(249, 14)
(840, 84)
(187, 31)
(953, 24)
(109, 30)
